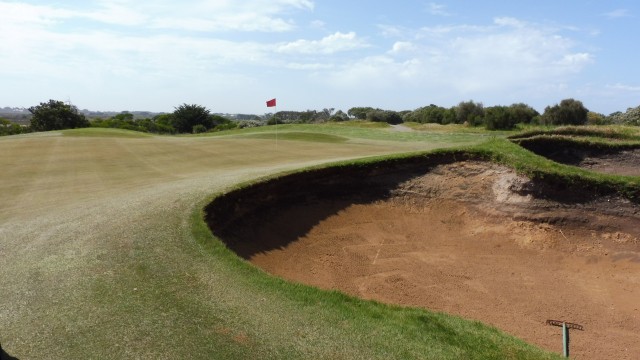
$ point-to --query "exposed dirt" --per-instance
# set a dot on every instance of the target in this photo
(468, 238)
(622, 163)
(609, 161)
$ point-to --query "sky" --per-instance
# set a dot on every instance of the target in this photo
(233, 56)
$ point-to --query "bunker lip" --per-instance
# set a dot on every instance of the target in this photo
(450, 233)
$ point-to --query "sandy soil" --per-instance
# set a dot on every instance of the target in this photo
(471, 239)
(622, 163)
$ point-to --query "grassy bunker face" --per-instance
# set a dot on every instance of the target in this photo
(466, 237)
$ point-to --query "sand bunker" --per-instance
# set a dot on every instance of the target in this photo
(468, 238)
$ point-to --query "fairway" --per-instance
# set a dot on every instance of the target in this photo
(99, 258)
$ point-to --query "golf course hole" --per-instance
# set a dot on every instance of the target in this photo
(469, 238)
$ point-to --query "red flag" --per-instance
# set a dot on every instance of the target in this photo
(271, 103)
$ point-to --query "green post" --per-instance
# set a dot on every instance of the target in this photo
(565, 332)
(565, 339)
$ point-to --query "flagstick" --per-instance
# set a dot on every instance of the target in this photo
(276, 116)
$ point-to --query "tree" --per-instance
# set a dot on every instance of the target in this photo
(339, 116)
(359, 113)
(163, 123)
(568, 112)
(499, 118)
(630, 117)
(390, 117)
(9, 128)
(56, 115)
(594, 118)
(186, 116)
(469, 112)
(427, 114)
(523, 113)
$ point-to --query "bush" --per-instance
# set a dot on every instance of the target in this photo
(630, 117)
(198, 129)
(568, 112)
(9, 128)
(499, 118)
(56, 115)
(186, 116)
(390, 117)
(469, 112)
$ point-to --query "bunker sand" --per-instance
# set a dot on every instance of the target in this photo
(472, 239)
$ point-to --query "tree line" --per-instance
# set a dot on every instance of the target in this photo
(567, 112)
(193, 118)
(186, 118)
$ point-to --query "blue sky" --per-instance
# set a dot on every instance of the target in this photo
(232, 56)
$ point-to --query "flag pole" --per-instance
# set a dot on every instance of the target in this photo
(273, 103)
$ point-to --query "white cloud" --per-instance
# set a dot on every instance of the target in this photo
(190, 15)
(618, 13)
(331, 44)
(509, 21)
(437, 9)
(624, 87)
(313, 66)
(576, 61)
(318, 24)
(400, 47)
(467, 60)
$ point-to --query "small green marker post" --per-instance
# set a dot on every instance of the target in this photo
(565, 332)
(565, 339)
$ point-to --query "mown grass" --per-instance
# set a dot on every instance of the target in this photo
(365, 131)
(299, 136)
(105, 132)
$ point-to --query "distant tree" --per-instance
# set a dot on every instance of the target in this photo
(56, 115)
(594, 118)
(499, 118)
(449, 116)
(568, 112)
(124, 116)
(630, 117)
(339, 116)
(390, 117)
(9, 128)
(163, 124)
(359, 113)
(523, 113)
(427, 114)
(328, 112)
(186, 116)
(469, 112)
